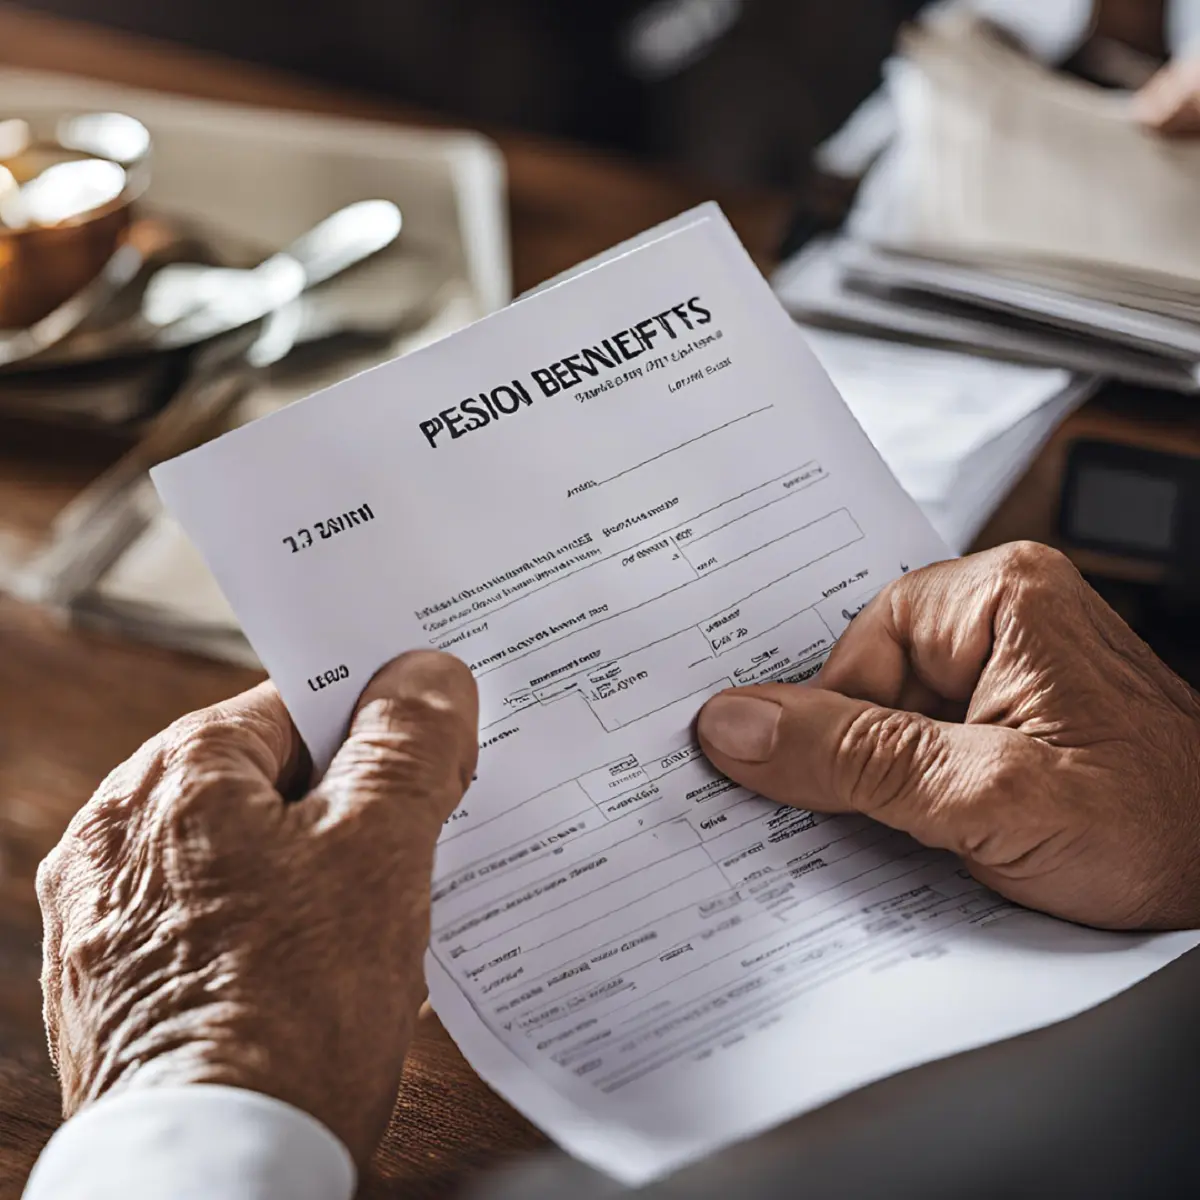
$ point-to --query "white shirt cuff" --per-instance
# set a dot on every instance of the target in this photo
(192, 1143)
(1183, 28)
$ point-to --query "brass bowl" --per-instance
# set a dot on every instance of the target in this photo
(68, 183)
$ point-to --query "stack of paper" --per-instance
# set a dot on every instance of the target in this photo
(831, 283)
(1015, 166)
(957, 431)
(1021, 214)
(612, 500)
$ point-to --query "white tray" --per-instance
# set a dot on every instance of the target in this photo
(267, 176)
(260, 178)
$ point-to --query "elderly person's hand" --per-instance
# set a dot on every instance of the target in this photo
(199, 928)
(998, 708)
(1170, 102)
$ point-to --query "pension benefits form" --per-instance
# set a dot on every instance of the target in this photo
(612, 500)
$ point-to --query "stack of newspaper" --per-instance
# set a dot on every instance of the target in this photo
(1021, 214)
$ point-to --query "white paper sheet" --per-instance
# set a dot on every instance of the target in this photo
(1013, 164)
(815, 286)
(957, 431)
(645, 959)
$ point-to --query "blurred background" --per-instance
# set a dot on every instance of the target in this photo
(984, 216)
(740, 90)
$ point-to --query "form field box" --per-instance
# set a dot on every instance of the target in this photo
(773, 525)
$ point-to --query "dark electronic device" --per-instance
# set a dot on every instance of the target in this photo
(1117, 488)
(1132, 503)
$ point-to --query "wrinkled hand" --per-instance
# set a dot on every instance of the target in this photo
(1170, 102)
(996, 707)
(198, 929)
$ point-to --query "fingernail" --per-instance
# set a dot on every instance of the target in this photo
(741, 727)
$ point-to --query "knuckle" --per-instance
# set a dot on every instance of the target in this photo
(883, 755)
(394, 762)
(996, 804)
(189, 726)
(201, 742)
(124, 785)
(391, 772)
(97, 840)
(892, 595)
(219, 735)
(999, 824)
(414, 741)
(1003, 772)
(1034, 563)
(202, 760)
(48, 880)
(1037, 579)
(195, 800)
(897, 601)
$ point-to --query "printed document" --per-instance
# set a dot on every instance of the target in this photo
(612, 500)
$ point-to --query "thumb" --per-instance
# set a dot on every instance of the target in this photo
(1170, 102)
(1154, 104)
(412, 744)
(816, 749)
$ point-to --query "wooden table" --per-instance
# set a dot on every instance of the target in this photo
(73, 705)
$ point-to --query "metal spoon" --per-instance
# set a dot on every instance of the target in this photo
(187, 303)
(218, 376)
(95, 529)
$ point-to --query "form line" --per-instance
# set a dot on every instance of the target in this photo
(699, 437)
